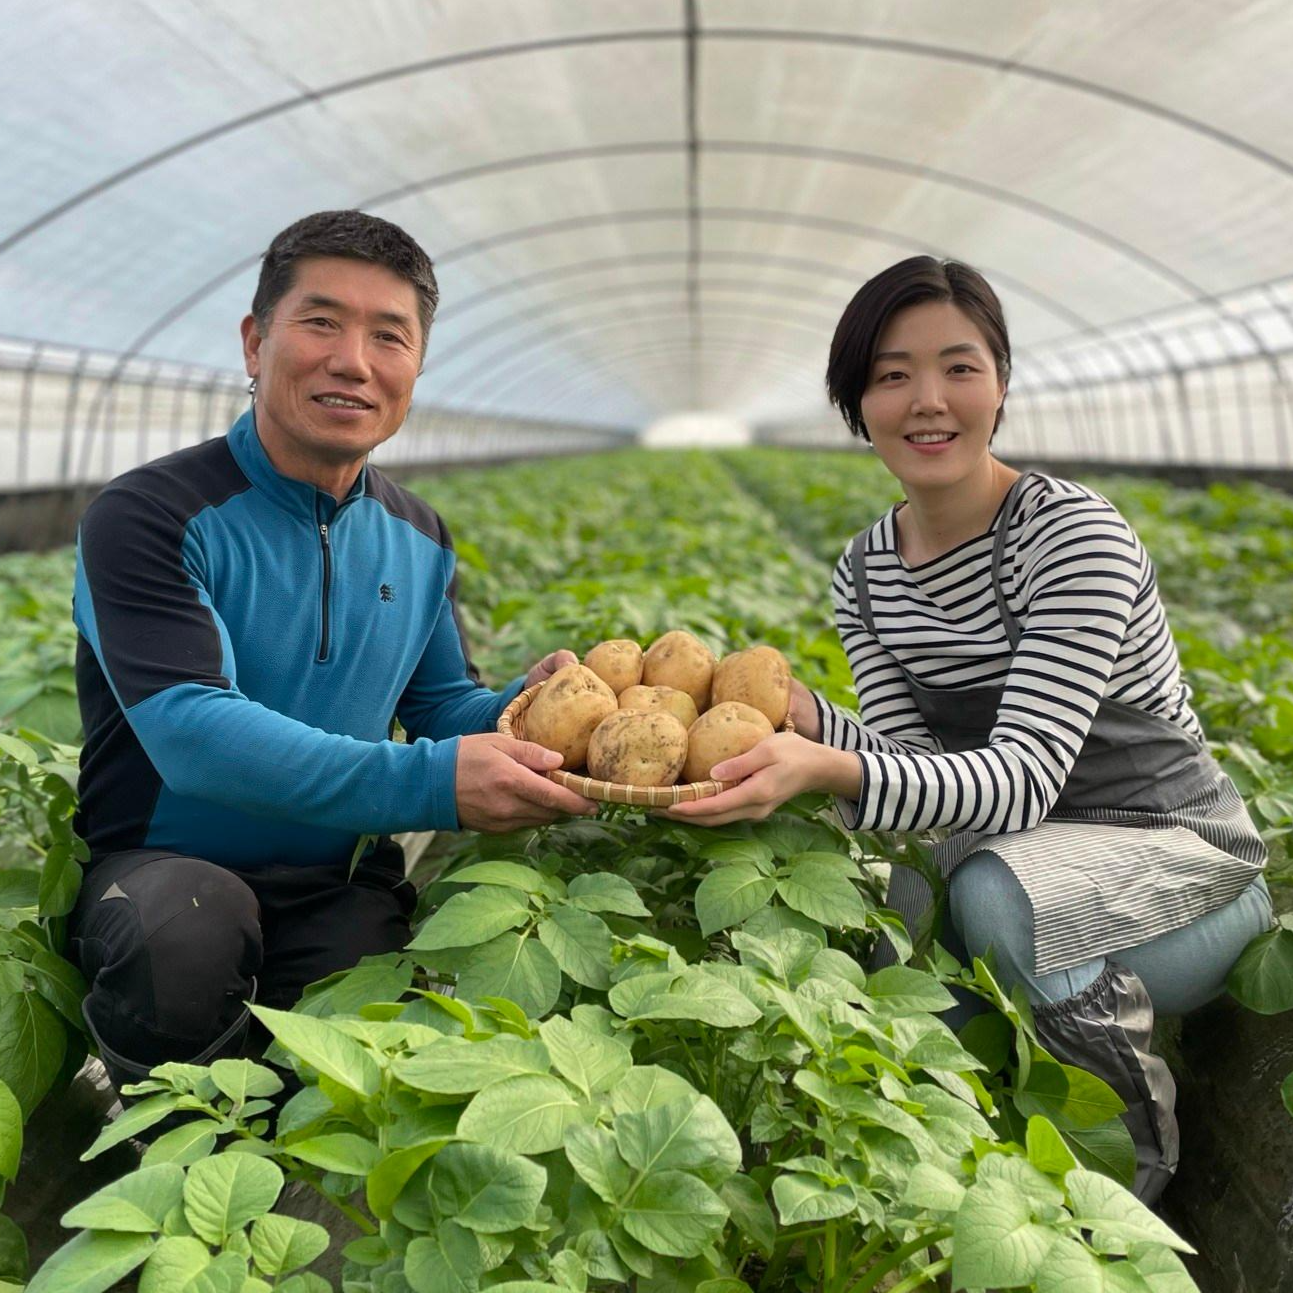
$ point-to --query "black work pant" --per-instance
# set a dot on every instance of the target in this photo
(174, 946)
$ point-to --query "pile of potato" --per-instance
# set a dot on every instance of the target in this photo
(651, 718)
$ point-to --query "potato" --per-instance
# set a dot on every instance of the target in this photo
(562, 716)
(681, 661)
(722, 733)
(668, 700)
(758, 677)
(635, 747)
(617, 663)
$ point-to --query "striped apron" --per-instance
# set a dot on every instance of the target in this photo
(1147, 834)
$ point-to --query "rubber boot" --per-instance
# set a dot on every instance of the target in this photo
(1106, 1029)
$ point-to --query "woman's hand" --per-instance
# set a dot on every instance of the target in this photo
(778, 768)
(803, 711)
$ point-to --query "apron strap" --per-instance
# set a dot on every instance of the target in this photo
(1013, 631)
(860, 591)
(863, 596)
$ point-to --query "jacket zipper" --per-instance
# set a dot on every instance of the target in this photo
(327, 588)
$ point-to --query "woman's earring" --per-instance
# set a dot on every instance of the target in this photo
(251, 388)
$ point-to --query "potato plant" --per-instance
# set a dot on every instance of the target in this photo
(727, 961)
(605, 1110)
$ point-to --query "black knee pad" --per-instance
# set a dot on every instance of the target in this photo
(175, 946)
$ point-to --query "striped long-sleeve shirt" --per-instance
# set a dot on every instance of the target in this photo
(1084, 592)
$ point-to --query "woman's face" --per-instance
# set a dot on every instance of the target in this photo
(932, 395)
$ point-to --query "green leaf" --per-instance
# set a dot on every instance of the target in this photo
(580, 943)
(1116, 1217)
(91, 1262)
(1107, 1149)
(60, 983)
(1162, 1269)
(453, 1066)
(996, 1243)
(693, 994)
(367, 1250)
(592, 1153)
(511, 875)
(19, 887)
(18, 750)
(768, 922)
(242, 1080)
(1068, 1095)
(13, 1252)
(605, 891)
(60, 880)
(529, 1115)
(222, 1194)
(750, 1212)
(1286, 1093)
(138, 1202)
(387, 1180)
(340, 1152)
(347, 992)
(674, 1214)
(183, 1145)
(800, 1197)
(1071, 1268)
(647, 1086)
(33, 1041)
(449, 1261)
(1039, 1190)
(786, 956)
(486, 1189)
(1262, 977)
(325, 1048)
(824, 893)
(280, 1244)
(988, 1037)
(1046, 1148)
(512, 966)
(933, 1189)
(730, 894)
(751, 852)
(589, 1060)
(472, 918)
(139, 1117)
(301, 1282)
(900, 990)
(687, 1135)
(10, 1133)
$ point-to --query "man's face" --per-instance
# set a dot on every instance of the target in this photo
(335, 369)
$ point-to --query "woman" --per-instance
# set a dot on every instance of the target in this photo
(1017, 682)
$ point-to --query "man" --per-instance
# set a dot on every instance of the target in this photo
(253, 613)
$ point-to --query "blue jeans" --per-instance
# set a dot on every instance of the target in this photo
(1181, 970)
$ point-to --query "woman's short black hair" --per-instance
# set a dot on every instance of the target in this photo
(910, 282)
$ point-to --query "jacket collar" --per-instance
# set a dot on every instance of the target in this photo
(296, 496)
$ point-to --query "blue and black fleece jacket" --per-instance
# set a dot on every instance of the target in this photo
(245, 643)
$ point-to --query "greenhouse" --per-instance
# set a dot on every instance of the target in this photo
(646, 646)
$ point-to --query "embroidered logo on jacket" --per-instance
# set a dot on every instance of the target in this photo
(386, 592)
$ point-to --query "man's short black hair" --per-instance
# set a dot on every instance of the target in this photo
(353, 235)
(910, 282)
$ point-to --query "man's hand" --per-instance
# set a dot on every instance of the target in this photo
(500, 786)
(549, 665)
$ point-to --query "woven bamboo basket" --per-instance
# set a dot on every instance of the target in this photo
(511, 722)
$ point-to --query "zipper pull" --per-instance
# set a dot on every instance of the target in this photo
(323, 533)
